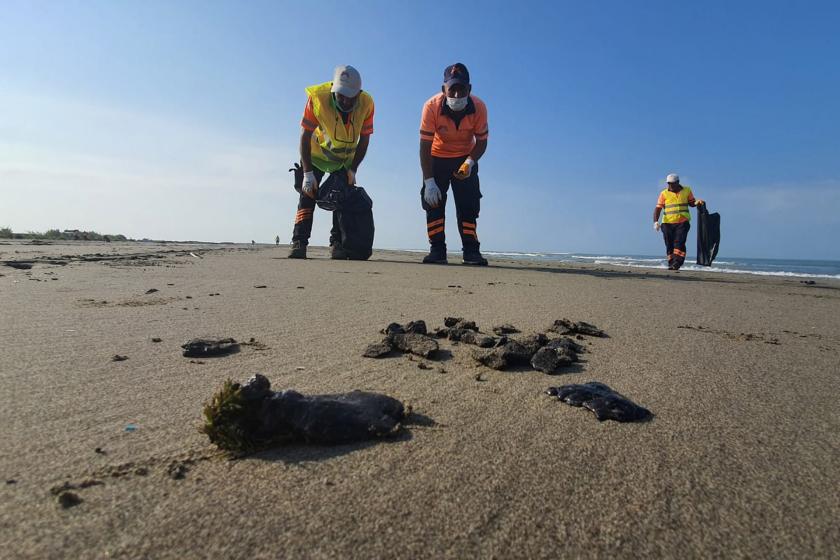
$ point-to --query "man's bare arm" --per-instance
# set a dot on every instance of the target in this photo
(361, 151)
(426, 158)
(479, 149)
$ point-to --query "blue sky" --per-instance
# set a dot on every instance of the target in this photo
(178, 120)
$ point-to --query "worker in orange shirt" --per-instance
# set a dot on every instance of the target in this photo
(453, 137)
(335, 133)
(676, 221)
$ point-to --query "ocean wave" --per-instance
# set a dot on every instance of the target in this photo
(515, 254)
(698, 268)
(780, 269)
(634, 265)
(618, 259)
(694, 267)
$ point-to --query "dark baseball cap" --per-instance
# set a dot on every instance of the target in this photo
(456, 74)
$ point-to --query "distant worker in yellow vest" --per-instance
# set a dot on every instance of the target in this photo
(676, 221)
(336, 128)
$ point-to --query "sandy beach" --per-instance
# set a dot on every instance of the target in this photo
(741, 373)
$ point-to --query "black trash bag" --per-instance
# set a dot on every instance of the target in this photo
(248, 417)
(708, 236)
(353, 208)
(333, 191)
(355, 221)
(354, 212)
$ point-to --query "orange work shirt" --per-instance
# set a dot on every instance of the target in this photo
(448, 138)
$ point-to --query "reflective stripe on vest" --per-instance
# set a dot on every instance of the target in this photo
(334, 143)
(676, 206)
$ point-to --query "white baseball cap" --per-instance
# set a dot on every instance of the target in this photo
(672, 178)
(347, 81)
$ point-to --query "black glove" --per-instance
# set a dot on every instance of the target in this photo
(298, 171)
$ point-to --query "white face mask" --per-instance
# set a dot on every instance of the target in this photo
(457, 103)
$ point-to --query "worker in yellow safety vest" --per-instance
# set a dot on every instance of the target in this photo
(335, 131)
(673, 205)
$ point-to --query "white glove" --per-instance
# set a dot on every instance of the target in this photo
(351, 177)
(431, 194)
(466, 169)
(656, 226)
(310, 184)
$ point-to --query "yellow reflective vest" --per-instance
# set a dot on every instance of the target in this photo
(334, 143)
(676, 205)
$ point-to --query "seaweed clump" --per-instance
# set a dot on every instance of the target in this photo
(225, 419)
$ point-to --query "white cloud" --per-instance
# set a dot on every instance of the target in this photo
(813, 203)
(65, 163)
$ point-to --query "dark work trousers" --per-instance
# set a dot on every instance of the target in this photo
(467, 203)
(303, 218)
(675, 236)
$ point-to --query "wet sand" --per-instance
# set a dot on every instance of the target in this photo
(741, 372)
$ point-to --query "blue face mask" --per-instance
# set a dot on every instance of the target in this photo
(457, 103)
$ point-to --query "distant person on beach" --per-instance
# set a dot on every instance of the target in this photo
(335, 131)
(453, 137)
(676, 221)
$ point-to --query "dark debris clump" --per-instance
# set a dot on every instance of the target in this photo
(604, 403)
(247, 417)
(411, 338)
(550, 354)
(209, 347)
(564, 326)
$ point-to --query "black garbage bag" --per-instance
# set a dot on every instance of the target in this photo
(250, 416)
(708, 236)
(354, 212)
(353, 209)
(355, 220)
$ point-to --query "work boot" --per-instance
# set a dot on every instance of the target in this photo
(337, 252)
(437, 255)
(473, 257)
(298, 250)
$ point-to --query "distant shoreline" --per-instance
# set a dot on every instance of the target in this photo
(725, 268)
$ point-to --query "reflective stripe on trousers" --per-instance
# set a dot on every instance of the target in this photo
(305, 213)
(467, 195)
(675, 236)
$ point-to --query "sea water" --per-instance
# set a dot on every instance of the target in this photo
(734, 265)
